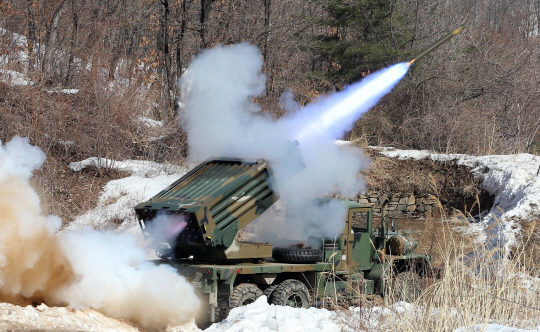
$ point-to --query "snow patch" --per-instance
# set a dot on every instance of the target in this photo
(61, 319)
(14, 78)
(150, 122)
(142, 168)
(119, 197)
(66, 91)
(45, 318)
(261, 316)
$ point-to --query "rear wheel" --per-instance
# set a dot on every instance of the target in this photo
(244, 294)
(292, 293)
(268, 291)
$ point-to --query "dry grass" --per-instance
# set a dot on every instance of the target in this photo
(95, 122)
(433, 235)
(528, 253)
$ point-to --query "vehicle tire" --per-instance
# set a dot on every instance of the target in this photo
(244, 294)
(297, 255)
(268, 291)
(292, 293)
(407, 286)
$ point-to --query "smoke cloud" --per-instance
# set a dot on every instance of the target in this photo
(164, 228)
(103, 270)
(223, 121)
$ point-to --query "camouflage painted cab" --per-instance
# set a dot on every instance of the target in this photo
(215, 200)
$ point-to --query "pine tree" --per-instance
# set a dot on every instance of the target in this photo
(362, 36)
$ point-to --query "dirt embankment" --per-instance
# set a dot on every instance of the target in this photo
(454, 186)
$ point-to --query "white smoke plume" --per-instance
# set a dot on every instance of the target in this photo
(87, 268)
(223, 121)
(164, 228)
(287, 102)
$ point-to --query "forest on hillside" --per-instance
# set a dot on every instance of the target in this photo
(477, 94)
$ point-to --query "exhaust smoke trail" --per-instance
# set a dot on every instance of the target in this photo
(334, 116)
(103, 270)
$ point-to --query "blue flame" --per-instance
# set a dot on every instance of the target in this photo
(335, 115)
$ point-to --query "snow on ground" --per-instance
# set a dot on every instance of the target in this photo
(17, 43)
(513, 179)
(60, 319)
(150, 122)
(258, 316)
(14, 78)
(119, 197)
(43, 318)
(264, 317)
(66, 91)
(17, 58)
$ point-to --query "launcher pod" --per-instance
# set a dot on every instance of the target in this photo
(215, 200)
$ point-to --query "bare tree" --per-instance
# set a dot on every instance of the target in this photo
(52, 35)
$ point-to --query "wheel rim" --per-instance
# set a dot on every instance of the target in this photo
(247, 301)
(295, 300)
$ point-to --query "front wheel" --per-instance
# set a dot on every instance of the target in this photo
(292, 293)
(244, 294)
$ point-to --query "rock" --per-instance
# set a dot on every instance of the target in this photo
(42, 307)
(407, 200)
(411, 208)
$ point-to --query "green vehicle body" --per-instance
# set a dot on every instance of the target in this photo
(220, 197)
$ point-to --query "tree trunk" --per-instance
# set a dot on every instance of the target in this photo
(180, 39)
(266, 52)
(52, 34)
(206, 6)
(31, 35)
(73, 44)
(168, 88)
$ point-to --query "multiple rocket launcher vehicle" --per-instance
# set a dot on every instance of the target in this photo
(206, 208)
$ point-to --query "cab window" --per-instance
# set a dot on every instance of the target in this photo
(360, 221)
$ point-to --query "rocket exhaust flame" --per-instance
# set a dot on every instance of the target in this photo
(166, 227)
(337, 114)
(174, 229)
